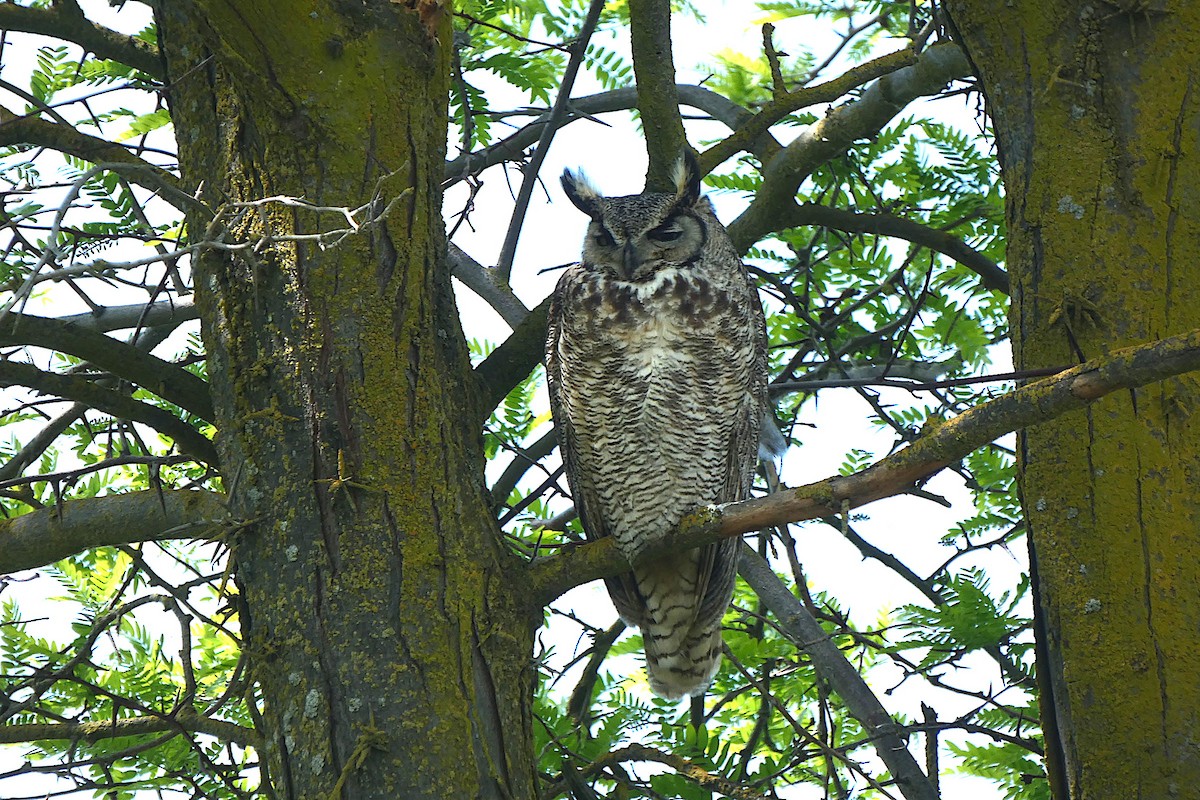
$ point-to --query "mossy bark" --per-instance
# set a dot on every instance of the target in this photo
(1097, 116)
(375, 595)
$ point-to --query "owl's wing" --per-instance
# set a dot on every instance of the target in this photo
(585, 501)
(770, 443)
(621, 588)
(719, 561)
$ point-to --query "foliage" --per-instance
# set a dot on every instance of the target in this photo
(154, 631)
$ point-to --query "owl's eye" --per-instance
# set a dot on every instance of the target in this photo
(665, 234)
(603, 238)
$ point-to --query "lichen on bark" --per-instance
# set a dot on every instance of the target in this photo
(1098, 126)
(373, 585)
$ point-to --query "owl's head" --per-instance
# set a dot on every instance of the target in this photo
(631, 238)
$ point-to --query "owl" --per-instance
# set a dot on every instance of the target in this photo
(656, 363)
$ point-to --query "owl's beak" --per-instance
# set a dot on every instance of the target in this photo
(629, 261)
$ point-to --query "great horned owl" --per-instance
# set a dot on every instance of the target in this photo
(657, 367)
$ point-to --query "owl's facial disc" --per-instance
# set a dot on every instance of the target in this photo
(636, 254)
(676, 242)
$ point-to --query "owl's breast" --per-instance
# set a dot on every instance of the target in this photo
(682, 331)
(673, 302)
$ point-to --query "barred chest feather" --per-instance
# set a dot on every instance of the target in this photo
(651, 321)
(658, 381)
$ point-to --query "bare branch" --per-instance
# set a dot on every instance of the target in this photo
(186, 721)
(214, 236)
(135, 315)
(904, 378)
(558, 114)
(487, 284)
(82, 390)
(775, 205)
(168, 381)
(65, 21)
(791, 102)
(47, 535)
(779, 88)
(993, 277)
(945, 444)
(717, 106)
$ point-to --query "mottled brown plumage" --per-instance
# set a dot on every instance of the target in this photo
(657, 368)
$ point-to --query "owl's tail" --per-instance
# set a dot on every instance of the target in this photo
(681, 623)
(683, 666)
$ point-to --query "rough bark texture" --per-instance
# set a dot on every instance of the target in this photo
(376, 600)
(1097, 116)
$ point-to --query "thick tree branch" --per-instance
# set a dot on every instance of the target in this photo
(993, 277)
(512, 361)
(135, 315)
(487, 284)
(775, 204)
(795, 620)
(170, 382)
(186, 721)
(658, 100)
(65, 21)
(30, 129)
(947, 443)
(145, 340)
(47, 535)
(82, 390)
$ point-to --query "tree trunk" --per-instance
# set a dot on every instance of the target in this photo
(1097, 116)
(375, 595)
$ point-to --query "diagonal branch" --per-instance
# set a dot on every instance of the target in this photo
(717, 106)
(82, 390)
(145, 340)
(66, 21)
(44, 536)
(512, 361)
(790, 102)
(947, 443)
(796, 621)
(485, 283)
(775, 204)
(558, 114)
(136, 315)
(30, 129)
(170, 382)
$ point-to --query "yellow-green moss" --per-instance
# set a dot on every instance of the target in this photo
(1098, 119)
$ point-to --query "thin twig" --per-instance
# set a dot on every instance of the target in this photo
(578, 49)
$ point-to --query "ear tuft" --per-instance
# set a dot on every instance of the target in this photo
(580, 192)
(687, 177)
